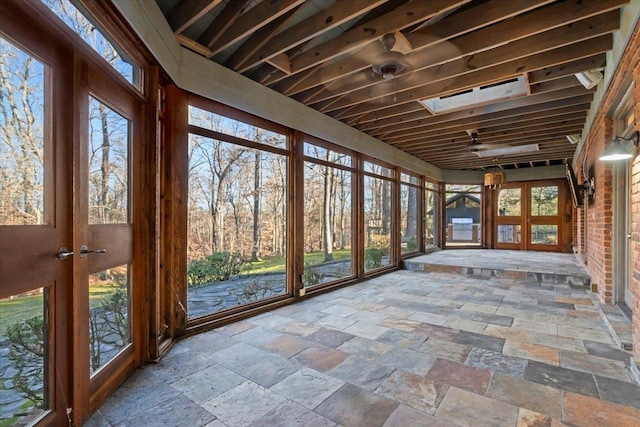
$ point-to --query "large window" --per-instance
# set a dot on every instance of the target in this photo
(410, 190)
(328, 206)
(378, 196)
(84, 26)
(463, 210)
(237, 213)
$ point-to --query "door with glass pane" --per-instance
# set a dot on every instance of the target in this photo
(544, 216)
(508, 217)
(529, 216)
(35, 283)
(103, 208)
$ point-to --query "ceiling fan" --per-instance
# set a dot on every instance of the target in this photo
(474, 145)
(388, 63)
(497, 150)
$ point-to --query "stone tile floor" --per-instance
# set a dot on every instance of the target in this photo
(404, 349)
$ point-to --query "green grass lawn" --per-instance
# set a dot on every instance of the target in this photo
(277, 264)
(25, 307)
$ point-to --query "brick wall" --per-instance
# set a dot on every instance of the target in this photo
(596, 249)
(594, 242)
(635, 208)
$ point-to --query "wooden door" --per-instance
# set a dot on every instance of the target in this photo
(70, 131)
(509, 217)
(530, 216)
(104, 204)
(36, 271)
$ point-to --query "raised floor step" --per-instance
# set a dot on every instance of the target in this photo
(540, 267)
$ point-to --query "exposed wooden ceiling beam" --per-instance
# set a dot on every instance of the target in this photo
(188, 12)
(448, 28)
(258, 39)
(402, 115)
(496, 137)
(323, 21)
(521, 26)
(402, 17)
(445, 149)
(490, 74)
(514, 116)
(486, 128)
(223, 21)
(550, 40)
(420, 121)
(254, 19)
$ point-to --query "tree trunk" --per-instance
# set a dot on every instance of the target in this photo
(105, 165)
(255, 251)
(386, 207)
(327, 217)
(412, 208)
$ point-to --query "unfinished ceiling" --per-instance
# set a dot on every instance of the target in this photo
(461, 84)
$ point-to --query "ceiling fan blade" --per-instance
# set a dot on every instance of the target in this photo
(482, 147)
(402, 44)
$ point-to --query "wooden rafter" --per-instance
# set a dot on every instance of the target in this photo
(319, 23)
(255, 18)
(510, 51)
(221, 24)
(321, 54)
(188, 12)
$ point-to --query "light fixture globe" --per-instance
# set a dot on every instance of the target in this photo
(616, 151)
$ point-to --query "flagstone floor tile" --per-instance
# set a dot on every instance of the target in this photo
(361, 372)
(320, 357)
(496, 362)
(526, 394)
(621, 392)
(291, 414)
(353, 406)
(561, 378)
(407, 348)
(469, 409)
(459, 375)
(588, 411)
(594, 365)
(404, 416)
(307, 387)
(243, 404)
(529, 351)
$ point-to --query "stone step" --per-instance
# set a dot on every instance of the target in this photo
(617, 323)
(551, 278)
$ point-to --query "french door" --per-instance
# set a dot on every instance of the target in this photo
(68, 133)
(530, 216)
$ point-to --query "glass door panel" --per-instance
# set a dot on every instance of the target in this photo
(24, 357)
(528, 216)
(544, 219)
(508, 219)
(328, 254)
(377, 223)
(31, 227)
(108, 176)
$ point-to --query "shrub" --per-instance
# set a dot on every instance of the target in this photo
(216, 267)
(311, 277)
(27, 350)
(259, 290)
(372, 258)
(381, 242)
(412, 245)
